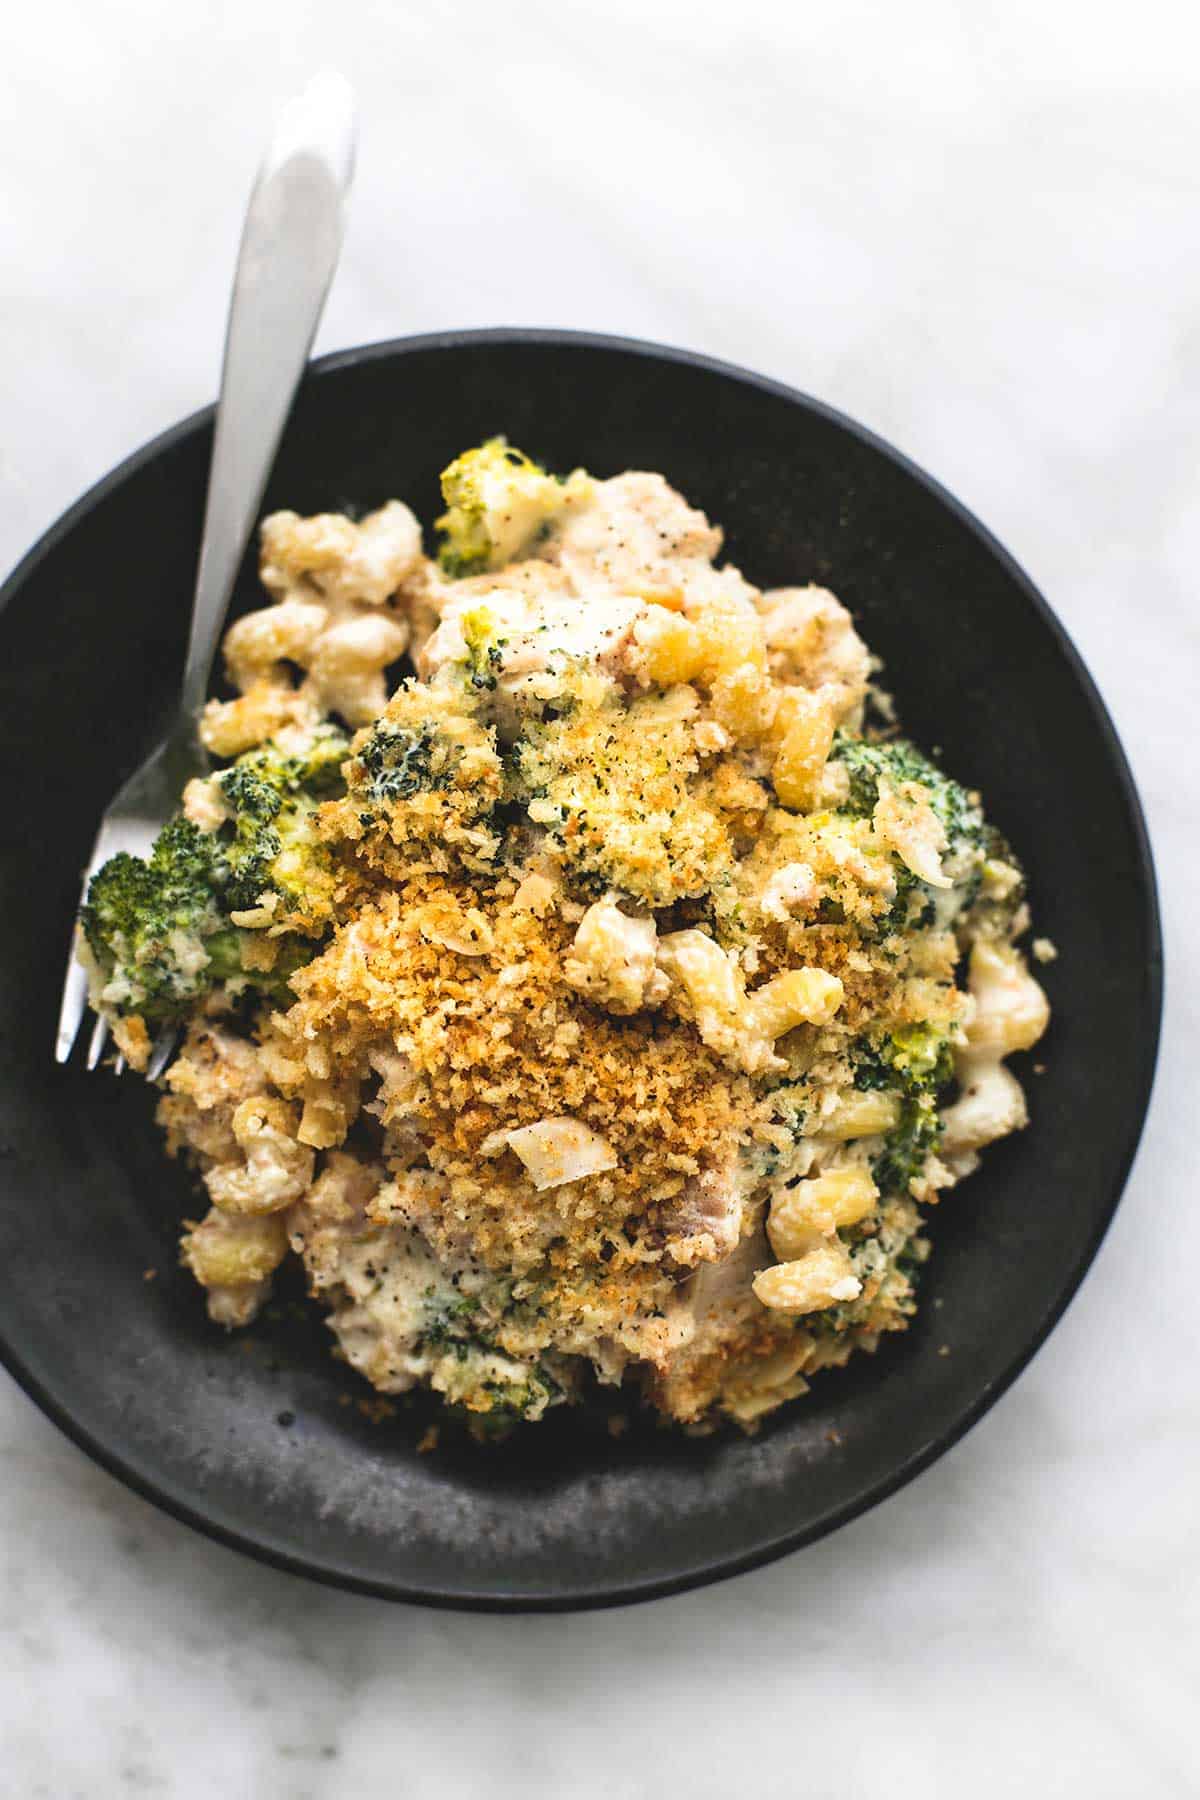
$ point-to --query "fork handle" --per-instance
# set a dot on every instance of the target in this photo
(289, 250)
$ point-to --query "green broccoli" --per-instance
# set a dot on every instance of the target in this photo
(399, 761)
(426, 770)
(447, 1320)
(998, 892)
(498, 503)
(887, 1260)
(898, 761)
(494, 1390)
(915, 1063)
(970, 841)
(156, 929)
(909, 1144)
(909, 1060)
(268, 844)
(159, 930)
(485, 651)
(515, 1402)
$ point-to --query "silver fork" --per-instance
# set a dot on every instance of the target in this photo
(289, 250)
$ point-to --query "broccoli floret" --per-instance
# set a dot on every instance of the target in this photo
(252, 844)
(447, 1320)
(498, 502)
(969, 839)
(156, 928)
(485, 651)
(887, 1261)
(912, 1059)
(899, 761)
(426, 770)
(909, 1144)
(998, 893)
(159, 929)
(268, 844)
(493, 1391)
(314, 769)
(398, 762)
(514, 1402)
(915, 1063)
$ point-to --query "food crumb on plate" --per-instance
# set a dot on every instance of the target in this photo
(377, 1409)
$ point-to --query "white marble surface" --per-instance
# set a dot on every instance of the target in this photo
(973, 225)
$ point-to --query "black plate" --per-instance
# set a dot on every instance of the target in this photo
(258, 1439)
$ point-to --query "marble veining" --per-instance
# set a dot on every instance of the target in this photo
(973, 227)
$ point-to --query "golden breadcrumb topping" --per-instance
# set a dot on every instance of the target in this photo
(614, 1011)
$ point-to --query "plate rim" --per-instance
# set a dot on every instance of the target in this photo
(180, 1503)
